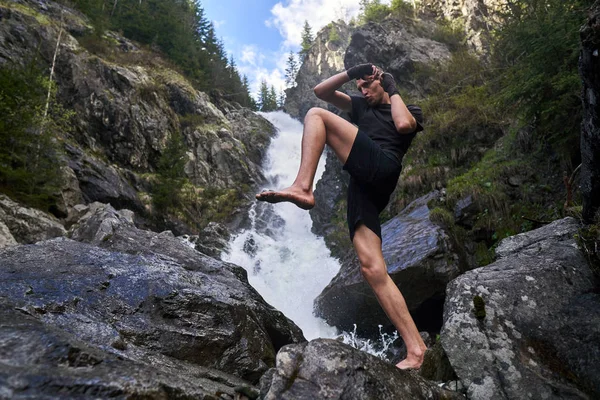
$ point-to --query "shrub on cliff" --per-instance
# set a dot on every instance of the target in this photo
(30, 162)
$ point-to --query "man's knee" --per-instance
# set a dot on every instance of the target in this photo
(374, 271)
(315, 111)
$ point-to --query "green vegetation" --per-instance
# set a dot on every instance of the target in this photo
(334, 35)
(479, 307)
(503, 130)
(180, 30)
(173, 195)
(171, 177)
(291, 70)
(374, 11)
(30, 160)
(267, 98)
(307, 40)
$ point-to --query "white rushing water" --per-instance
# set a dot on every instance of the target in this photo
(291, 266)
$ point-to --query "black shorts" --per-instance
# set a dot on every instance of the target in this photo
(374, 176)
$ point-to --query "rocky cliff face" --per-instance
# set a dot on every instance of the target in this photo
(128, 103)
(589, 66)
(475, 16)
(325, 58)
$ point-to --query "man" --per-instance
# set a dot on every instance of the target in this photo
(372, 153)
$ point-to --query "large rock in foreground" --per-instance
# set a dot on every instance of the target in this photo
(538, 333)
(328, 369)
(419, 260)
(137, 296)
(40, 361)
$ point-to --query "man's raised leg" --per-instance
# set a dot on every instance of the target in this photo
(368, 248)
(320, 127)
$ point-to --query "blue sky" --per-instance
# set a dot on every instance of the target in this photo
(260, 33)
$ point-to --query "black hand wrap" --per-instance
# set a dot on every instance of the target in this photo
(360, 70)
(389, 84)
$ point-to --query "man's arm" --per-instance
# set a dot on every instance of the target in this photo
(403, 119)
(327, 90)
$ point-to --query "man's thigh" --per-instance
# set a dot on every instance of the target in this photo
(340, 134)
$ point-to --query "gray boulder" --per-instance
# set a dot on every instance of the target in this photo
(528, 325)
(27, 225)
(328, 369)
(143, 297)
(41, 361)
(6, 238)
(420, 261)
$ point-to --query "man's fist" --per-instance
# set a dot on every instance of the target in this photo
(360, 70)
(388, 84)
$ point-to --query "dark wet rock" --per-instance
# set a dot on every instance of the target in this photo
(328, 369)
(41, 361)
(100, 182)
(436, 366)
(420, 261)
(144, 296)
(539, 333)
(212, 240)
(330, 193)
(589, 68)
(465, 211)
(27, 225)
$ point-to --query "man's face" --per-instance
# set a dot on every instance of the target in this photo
(371, 89)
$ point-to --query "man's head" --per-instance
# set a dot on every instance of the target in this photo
(371, 89)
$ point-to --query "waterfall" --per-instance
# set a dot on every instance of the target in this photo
(286, 263)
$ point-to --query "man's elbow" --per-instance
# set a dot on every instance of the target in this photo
(319, 92)
(406, 126)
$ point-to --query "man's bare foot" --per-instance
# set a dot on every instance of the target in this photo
(412, 361)
(304, 200)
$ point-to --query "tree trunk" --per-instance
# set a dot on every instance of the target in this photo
(589, 68)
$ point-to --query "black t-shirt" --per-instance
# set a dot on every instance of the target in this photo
(377, 122)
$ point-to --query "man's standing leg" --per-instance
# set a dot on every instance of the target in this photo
(320, 127)
(368, 248)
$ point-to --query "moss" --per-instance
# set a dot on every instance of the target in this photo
(23, 9)
(483, 254)
(441, 216)
(479, 307)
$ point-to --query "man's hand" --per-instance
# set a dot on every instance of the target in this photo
(360, 70)
(389, 84)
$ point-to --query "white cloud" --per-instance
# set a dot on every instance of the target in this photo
(274, 77)
(289, 19)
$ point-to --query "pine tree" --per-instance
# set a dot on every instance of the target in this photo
(292, 70)
(307, 40)
(272, 99)
(263, 96)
